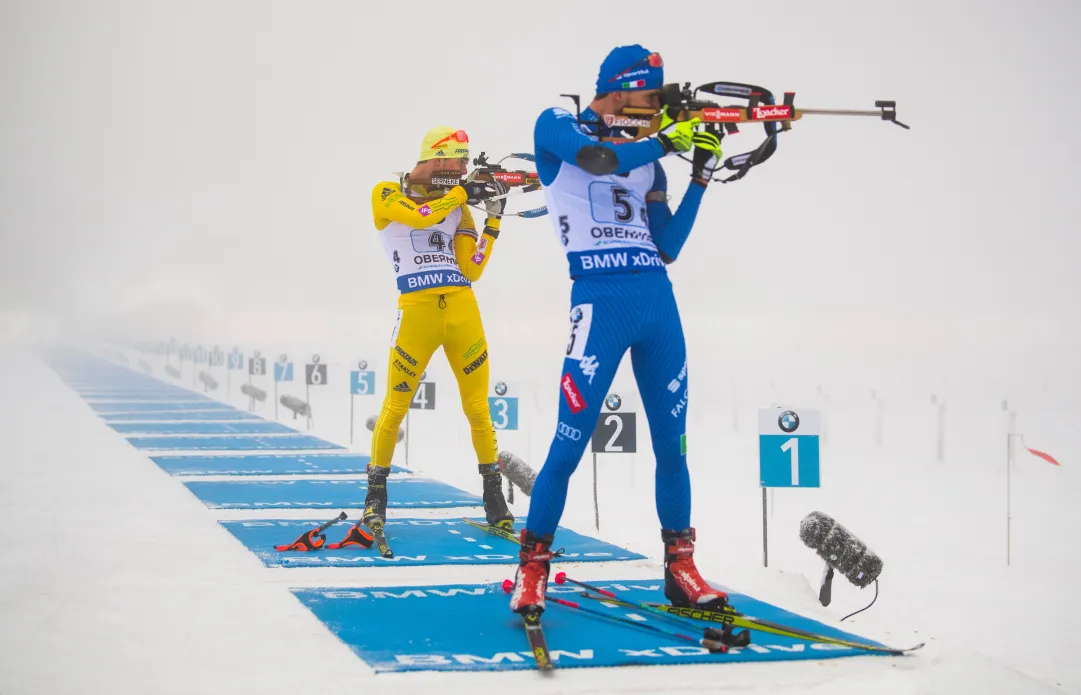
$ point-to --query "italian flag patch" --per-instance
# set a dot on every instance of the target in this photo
(634, 84)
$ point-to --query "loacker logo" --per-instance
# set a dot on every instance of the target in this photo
(572, 394)
(764, 112)
(719, 115)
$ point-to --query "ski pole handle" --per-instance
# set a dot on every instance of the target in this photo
(330, 523)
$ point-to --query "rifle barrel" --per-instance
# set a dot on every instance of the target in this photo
(840, 112)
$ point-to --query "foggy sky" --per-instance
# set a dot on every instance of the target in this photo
(205, 167)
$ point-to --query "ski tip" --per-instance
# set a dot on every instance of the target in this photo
(508, 586)
(561, 577)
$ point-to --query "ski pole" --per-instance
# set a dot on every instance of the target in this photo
(725, 634)
(311, 540)
(713, 645)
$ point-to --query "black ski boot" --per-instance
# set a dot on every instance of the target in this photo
(495, 505)
(375, 507)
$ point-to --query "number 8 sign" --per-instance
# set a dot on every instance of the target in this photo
(788, 453)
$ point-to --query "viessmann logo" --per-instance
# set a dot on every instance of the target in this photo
(509, 177)
(719, 115)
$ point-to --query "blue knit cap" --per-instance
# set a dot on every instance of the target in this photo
(630, 68)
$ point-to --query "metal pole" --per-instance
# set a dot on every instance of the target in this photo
(1009, 453)
(765, 536)
(352, 399)
(275, 399)
(596, 505)
(942, 432)
(308, 399)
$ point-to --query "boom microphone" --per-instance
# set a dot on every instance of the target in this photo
(517, 471)
(841, 551)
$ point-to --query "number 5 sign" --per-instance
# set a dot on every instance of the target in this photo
(788, 447)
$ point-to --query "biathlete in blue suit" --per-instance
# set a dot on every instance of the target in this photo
(608, 204)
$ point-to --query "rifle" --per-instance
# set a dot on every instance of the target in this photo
(683, 104)
(517, 180)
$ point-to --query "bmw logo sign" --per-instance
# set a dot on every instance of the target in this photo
(362, 365)
(283, 358)
(315, 359)
(788, 421)
(500, 389)
(613, 402)
(576, 314)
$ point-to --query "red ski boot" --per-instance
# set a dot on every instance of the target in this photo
(531, 581)
(683, 585)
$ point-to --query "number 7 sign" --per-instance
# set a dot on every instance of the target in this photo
(788, 453)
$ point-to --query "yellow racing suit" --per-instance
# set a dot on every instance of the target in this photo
(436, 254)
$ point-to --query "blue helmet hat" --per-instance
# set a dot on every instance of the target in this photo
(630, 68)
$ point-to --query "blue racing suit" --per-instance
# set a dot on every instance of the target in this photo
(618, 233)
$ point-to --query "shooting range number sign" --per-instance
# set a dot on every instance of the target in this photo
(236, 361)
(503, 406)
(315, 373)
(616, 432)
(424, 398)
(257, 366)
(217, 358)
(361, 383)
(788, 447)
(283, 369)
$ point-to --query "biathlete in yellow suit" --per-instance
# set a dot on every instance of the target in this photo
(431, 240)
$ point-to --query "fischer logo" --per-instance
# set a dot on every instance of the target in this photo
(719, 115)
(616, 121)
(572, 394)
(763, 112)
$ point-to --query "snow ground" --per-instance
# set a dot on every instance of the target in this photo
(89, 608)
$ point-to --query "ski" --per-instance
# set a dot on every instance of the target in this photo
(376, 527)
(737, 619)
(537, 644)
(494, 530)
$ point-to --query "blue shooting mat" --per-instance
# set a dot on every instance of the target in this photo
(179, 443)
(171, 415)
(327, 494)
(166, 407)
(469, 627)
(137, 394)
(131, 397)
(414, 541)
(252, 427)
(267, 464)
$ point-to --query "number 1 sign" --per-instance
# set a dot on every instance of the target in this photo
(788, 447)
(787, 454)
